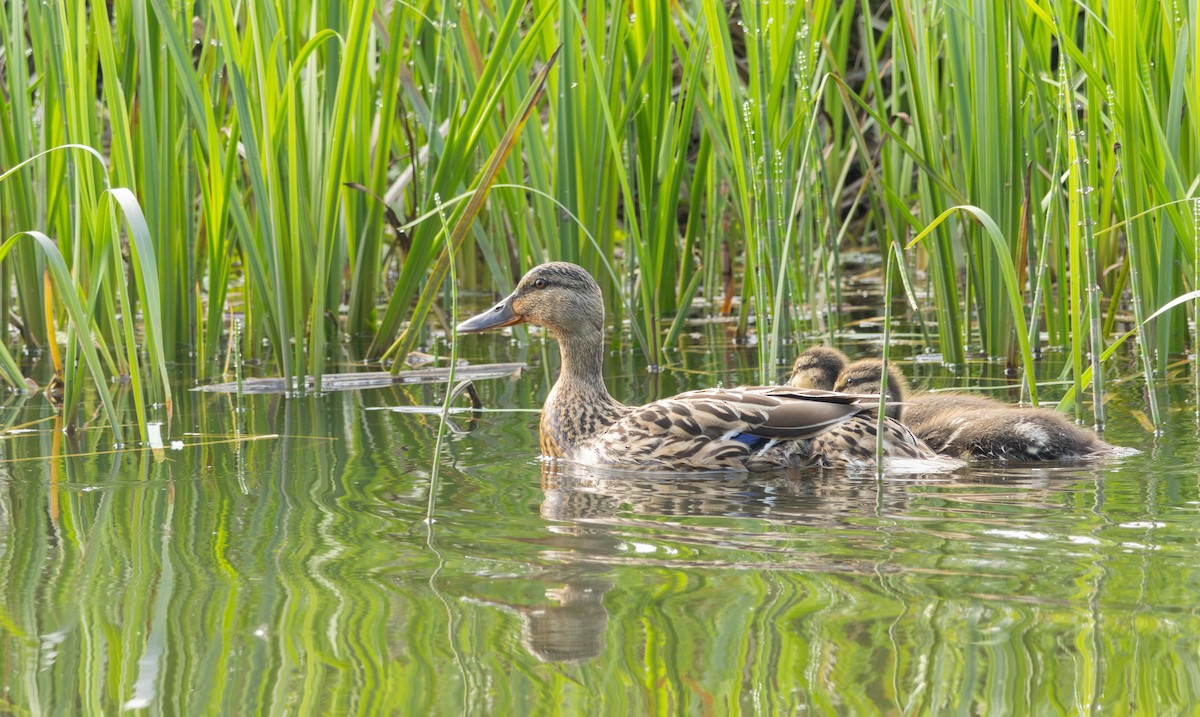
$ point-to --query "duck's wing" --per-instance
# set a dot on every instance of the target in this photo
(774, 411)
(722, 429)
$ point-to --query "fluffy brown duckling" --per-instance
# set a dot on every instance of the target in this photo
(825, 369)
(747, 428)
(863, 377)
(974, 427)
(818, 367)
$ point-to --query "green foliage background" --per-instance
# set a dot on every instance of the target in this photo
(681, 150)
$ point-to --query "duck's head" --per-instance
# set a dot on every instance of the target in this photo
(818, 367)
(866, 376)
(562, 297)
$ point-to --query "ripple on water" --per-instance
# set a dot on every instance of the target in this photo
(325, 569)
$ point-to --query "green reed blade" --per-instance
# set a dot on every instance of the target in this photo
(266, 230)
(1007, 272)
(351, 76)
(145, 273)
(1068, 399)
(363, 257)
(466, 215)
(65, 287)
(452, 163)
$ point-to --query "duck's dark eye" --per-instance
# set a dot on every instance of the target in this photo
(540, 284)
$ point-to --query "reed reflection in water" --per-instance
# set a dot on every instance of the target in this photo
(299, 574)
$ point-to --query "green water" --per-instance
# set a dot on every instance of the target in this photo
(298, 574)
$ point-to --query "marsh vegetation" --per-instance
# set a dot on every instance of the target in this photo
(294, 172)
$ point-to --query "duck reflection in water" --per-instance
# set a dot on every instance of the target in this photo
(810, 496)
(597, 520)
(569, 622)
(594, 515)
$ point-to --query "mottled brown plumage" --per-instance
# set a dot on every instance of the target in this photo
(755, 428)
(973, 427)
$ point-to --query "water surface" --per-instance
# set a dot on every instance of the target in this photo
(316, 570)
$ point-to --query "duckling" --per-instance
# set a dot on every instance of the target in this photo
(817, 367)
(747, 428)
(862, 376)
(820, 368)
(966, 426)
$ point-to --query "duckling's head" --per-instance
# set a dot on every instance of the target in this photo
(818, 367)
(866, 376)
(562, 297)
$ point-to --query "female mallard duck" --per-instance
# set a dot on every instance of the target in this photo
(966, 426)
(749, 428)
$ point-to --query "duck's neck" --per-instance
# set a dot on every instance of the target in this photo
(583, 364)
(579, 406)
